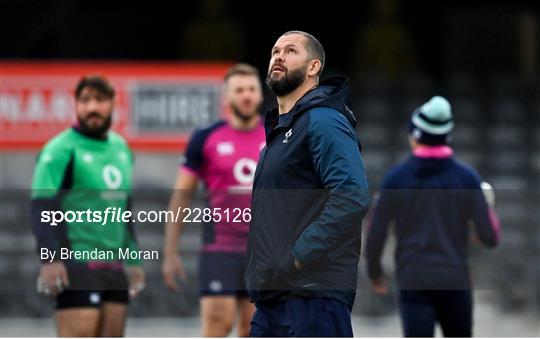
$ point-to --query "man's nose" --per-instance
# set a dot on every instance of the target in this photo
(279, 57)
(92, 104)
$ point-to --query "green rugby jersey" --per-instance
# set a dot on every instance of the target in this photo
(75, 172)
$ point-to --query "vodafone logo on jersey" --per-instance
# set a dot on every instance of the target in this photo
(244, 172)
(112, 176)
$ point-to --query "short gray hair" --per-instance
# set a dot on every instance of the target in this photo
(314, 47)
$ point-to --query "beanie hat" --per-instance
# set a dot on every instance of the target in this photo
(432, 123)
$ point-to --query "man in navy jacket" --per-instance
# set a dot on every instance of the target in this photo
(431, 200)
(309, 197)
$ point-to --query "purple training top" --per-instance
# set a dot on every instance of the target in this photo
(225, 160)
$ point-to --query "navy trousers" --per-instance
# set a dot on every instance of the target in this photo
(422, 310)
(302, 317)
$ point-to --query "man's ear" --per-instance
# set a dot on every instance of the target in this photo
(223, 97)
(314, 67)
(413, 142)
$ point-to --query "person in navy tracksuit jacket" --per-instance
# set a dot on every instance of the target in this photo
(309, 197)
(431, 200)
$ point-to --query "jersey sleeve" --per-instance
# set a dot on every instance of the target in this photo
(380, 219)
(131, 237)
(130, 240)
(194, 157)
(484, 217)
(50, 171)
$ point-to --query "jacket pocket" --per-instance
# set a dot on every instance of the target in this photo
(286, 274)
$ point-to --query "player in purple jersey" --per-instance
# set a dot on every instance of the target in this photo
(223, 157)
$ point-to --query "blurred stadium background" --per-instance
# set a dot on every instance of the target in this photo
(167, 58)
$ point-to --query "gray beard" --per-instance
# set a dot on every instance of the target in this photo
(291, 81)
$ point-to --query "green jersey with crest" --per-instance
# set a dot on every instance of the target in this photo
(87, 176)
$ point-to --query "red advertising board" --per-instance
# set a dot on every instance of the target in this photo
(158, 104)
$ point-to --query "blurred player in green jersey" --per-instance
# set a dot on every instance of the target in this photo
(86, 167)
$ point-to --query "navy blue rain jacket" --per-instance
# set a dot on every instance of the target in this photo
(309, 197)
(430, 204)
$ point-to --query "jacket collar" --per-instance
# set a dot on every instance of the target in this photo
(333, 92)
(437, 152)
